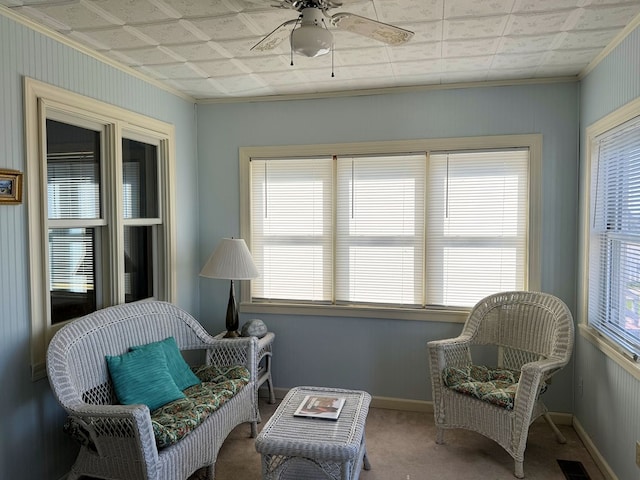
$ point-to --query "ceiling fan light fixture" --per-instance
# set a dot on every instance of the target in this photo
(311, 40)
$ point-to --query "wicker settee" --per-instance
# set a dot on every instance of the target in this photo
(121, 441)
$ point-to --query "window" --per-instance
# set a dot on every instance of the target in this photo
(100, 209)
(392, 227)
(614, 240)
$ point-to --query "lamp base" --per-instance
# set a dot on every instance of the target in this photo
(232, 321)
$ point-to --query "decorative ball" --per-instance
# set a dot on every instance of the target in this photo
(254, 328)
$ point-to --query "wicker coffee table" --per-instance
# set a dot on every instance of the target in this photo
(308, 448)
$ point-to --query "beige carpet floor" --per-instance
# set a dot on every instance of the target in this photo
(401, 446)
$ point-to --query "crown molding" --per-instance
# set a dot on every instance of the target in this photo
(389, 90)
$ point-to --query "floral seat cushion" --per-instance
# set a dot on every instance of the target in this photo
(493, 385)
(177, 419)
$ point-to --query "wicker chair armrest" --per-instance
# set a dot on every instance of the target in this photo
(233, 351)
(532, 376)
(118, 431)
(451, 352)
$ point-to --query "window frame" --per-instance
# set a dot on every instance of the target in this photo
(447, 314)
(42, 101)
(604, 343)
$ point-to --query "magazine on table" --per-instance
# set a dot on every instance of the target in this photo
(320, 406)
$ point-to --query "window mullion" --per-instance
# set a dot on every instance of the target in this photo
(113, 267)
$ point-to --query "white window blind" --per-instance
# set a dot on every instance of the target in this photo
(380, 229)
(614, 246)
(476, 225)
(401, 229)
(292, 217)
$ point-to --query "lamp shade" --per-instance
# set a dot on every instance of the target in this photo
(230, 260)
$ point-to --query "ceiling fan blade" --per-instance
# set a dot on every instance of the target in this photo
(275, 38)
(382, 32)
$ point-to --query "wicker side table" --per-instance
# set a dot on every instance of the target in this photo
(307, 448)
(263, 360)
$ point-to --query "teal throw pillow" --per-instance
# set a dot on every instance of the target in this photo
(142, 376)
(178, 368)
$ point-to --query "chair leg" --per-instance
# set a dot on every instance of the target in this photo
(439, 435)
(559, 437)
(211, 472)
(254, 429)
(519, 470)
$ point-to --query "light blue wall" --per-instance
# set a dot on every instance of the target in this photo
(386, 357)
(609, 408)
(32, 445)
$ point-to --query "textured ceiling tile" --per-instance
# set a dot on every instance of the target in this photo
(415, 51)
(150, 56)
(474, 27)
(571, 57)
(195, 51)
(538, 23)
(41, 18)
(177, 70)
(606, 17)
(425, 31)
(370, 71)
(112, 38)
(463, 77)
(132, 11)
(76, 16)
(198, 88)
(221, 68)
(391, 11)
(284, 78)
(167, 33)
(266, 63)
(469, 48)
(511, 74)
(242, 83)
(467, 64)
(588, 39)
(426, 68)
(199, 8)
(473, 8)
(229, 27)
(242, 47)
(362, 56)
(520, 60)
(269, 20)
(532, 6)
(533, 43)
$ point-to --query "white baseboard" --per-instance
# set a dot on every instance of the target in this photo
(593, 451)
(423, 406)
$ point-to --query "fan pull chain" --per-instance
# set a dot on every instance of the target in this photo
(291, 37)
(333, 49)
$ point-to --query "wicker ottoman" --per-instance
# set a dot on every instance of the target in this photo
(308, 448)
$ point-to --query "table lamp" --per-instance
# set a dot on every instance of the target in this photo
(231, 260)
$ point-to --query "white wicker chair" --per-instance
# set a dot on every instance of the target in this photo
(533, 332)
(123, 437)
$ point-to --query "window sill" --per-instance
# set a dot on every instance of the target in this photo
(432, 314)
(610, 349)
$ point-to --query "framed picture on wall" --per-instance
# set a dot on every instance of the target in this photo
(10, 186)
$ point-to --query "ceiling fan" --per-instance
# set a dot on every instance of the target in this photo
(311, 36)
